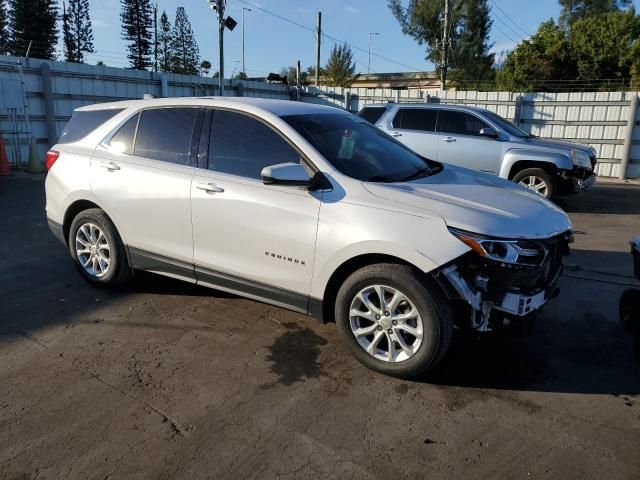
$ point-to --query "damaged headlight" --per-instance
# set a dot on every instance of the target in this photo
(514, 252)
(580, 158)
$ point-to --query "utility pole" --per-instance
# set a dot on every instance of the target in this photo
(369, 62)
(243, 10)
(445, 47)
(319, 33)
(155, 37)
(220, 10)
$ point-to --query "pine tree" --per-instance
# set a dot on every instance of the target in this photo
(472, 64)
(205, 68)
(164, 44)
(77, 31)
(340, 67)
(4, 32)
(185, 55)
(573, 10)
(33, 21)
(137, 24)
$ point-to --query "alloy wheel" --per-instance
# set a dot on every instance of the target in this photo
(386, 323)
(93, 250)
(536, 184)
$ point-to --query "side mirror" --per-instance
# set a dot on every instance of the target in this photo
(291, 174)
(488, 132)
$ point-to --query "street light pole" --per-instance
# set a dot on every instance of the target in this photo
(248, 10)
(369, 63)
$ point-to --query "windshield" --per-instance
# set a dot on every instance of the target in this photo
(358, 149)
(506, 125)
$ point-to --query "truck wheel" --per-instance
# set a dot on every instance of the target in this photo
(97, 250)
(630, 310)
(393, 320)
(537, 180)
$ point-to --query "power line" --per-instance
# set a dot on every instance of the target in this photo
(329, 37)
(495, 3)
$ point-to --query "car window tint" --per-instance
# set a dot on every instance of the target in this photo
(241, 145)
(165, 134)
(423, 119)
(84, 122)
(372, 114)
(451, 121)
(122, 140)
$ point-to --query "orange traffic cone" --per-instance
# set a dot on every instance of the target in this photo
(4, 162)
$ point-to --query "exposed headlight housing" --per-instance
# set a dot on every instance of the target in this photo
(580, 158)
(512, 252)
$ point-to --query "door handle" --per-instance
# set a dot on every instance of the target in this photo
(111, 166)
(396, 134)
(209, 187)
(448, 139)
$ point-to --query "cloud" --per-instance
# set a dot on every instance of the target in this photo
(351, 9)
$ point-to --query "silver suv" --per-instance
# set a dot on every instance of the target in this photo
(305, 207)
(482, 140)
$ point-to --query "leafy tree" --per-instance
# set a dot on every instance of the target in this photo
(185, 55)
(240, 76)
(291, 75)
(77, 32)
(4, 31)
(573, 10)
(469, 27)
(340, 68)
(607, 45)
(137, 25)
(33, 21)
(472, 62)
(205, 67)
(164, 44)
(545, 56)
(100, 63)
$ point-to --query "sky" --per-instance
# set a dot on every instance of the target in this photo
(272, 43)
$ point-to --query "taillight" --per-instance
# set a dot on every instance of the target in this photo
(50, 158)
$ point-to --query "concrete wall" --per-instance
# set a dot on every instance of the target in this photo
(54, 89)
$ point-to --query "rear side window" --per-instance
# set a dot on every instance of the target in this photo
(241, 145)
(122, 140)
(461, 123)
(423, 119)
(82, 123)
(372, 114)
(165, 134)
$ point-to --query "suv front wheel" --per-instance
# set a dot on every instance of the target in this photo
(392, 320)
(97, 250)
(538, 180)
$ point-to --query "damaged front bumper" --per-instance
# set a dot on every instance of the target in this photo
(501, 295)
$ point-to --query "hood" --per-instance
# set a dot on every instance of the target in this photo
(557, 144)
(478, 203)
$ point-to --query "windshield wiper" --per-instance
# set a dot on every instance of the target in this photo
(380, 178)
(425, 171)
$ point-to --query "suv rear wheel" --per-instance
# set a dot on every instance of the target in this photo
(538, 180)
(97, 250)
(392, 320)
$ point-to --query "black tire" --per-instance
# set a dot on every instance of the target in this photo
(629, 310)
(118, 270)
(427, 298)
(541, 174)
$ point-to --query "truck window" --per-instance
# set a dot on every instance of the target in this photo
(423, 119)
(372, 114)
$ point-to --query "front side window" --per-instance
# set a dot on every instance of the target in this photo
(451, 121)
(165, 134)
(360, 150)
(241, 145)
(84, 122)
(423, 119)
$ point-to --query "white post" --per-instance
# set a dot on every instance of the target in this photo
(628, 139)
